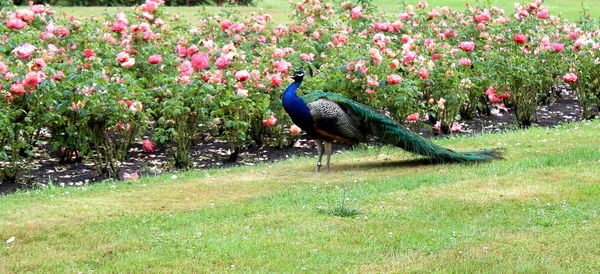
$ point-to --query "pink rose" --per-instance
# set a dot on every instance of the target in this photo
(25, 15)
(520, 38)
(15, 23)
(3, 67)
(295, 130)
(423, 73)
(413, 117)
(394, 79)
(282, 66)
(356, 12)
(89, 53)
(570, 77)
(557, 47)
(465, 62)
(306, 57)
(119, 26)
(132, 176)
(129, 63)
(276, 80)
(271, 121)
(222, 62)
(17, 89)
(62, 32)
(32, 79)
(25, 51)
(122, 57)
(467, 46)
(542, 14)
(200, 60)
(456, 127)
(155, 59)
(186, 68)
(226, 24)
(573, 35)
(147, 146)
(242, 75)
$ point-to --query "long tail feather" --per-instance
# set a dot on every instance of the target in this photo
(393, 133)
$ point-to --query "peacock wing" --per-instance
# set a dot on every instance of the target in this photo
(335, 121)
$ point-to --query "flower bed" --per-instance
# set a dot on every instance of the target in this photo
(94, 87)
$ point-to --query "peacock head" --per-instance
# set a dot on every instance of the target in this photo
(298, 75)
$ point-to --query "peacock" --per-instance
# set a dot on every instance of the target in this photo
(329, 117)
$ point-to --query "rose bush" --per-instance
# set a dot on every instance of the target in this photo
(90, 89)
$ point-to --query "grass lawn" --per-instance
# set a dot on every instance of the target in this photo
(535, 211)
(280, 10)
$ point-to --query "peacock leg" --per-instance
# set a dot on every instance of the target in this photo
(329, 151)
(320, 150)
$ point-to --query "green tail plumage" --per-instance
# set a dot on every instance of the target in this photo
(393, 133)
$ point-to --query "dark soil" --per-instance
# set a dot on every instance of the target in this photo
(215, 154)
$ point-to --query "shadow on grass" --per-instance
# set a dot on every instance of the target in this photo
(387, 164)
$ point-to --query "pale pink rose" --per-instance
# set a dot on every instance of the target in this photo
(573, 35)
(32, 79)
(409, 57)
(441, 103)
(62, 32)
(17, 89)
(155, 59)
(437, 126)
(279, 53)
(413, 117)
(316, 35)
(136, 106)
(465, 62)
(570, 77)
(242, 92)
(147, 146)
(557, 47)
(25, 51)
(3, 67)
(186, 68)
(356, 12)
(122, 57)
(370, 91)
(282, 66)
(118, 26)
(467, 46)
(276, 80)
(542, 14)
(394, 79)
(25, 15)
(132, 176)
(295, 130)
(200, 60)
(271, 121)
(15, 23)
(456, 127)
(242, 75)
(306, 57)
(222, 62)
(129, 63)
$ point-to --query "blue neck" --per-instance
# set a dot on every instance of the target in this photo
(290, 92)
(296, 107)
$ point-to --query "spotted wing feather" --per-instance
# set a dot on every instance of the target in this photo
(336, 122)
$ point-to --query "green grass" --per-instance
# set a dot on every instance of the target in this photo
(535, 211)
(280, 10)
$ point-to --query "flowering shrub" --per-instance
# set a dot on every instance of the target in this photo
(93, 88)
